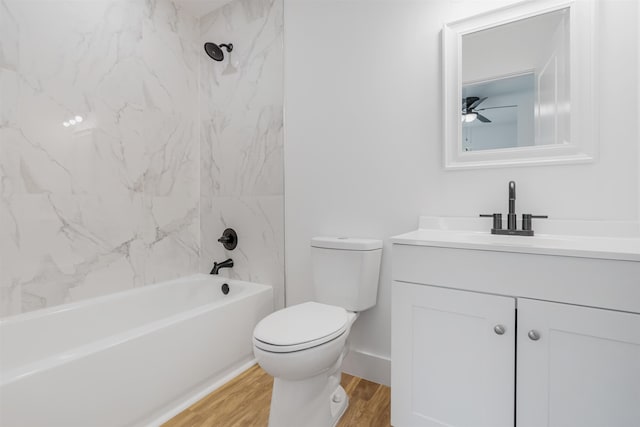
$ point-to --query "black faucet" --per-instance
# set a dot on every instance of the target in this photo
(512, 225)
(224, 264)
(511, 216)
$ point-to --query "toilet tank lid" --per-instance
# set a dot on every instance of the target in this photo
(346, 243)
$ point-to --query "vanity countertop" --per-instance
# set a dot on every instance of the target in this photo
(585, 239)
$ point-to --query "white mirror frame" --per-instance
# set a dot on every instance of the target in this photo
(583, 116)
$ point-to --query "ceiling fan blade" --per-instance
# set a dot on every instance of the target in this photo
(483, 118)
(466, 102)
(477, 102)
(491, 108)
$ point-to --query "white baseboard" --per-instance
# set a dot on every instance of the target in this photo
(217, 382)
(369, 366)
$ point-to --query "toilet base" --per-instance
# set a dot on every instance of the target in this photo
(319, 401)
(340, 407)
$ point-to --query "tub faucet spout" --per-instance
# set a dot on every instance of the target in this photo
(218, 265)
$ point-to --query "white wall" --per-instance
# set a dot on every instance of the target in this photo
(363, 128)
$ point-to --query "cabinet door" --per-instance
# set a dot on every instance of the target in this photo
(582, 367)
(449, 367)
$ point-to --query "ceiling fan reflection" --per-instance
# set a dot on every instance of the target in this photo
(470, 112)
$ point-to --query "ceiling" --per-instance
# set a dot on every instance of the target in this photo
(506, 85)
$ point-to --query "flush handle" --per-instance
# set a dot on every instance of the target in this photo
(499, 329)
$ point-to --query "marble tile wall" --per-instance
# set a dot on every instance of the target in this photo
(173, 148)
(241, 141)
(113, 202)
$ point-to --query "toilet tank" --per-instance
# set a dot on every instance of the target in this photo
(346, 271)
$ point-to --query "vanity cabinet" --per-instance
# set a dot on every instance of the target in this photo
(449, 367)
(583, 370)
(474, 347)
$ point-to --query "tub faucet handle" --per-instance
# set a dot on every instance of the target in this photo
(229, 239)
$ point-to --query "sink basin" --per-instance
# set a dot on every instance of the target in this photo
(589, 246)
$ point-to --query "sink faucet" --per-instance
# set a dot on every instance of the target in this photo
(511, 216)
(224, 264)
(512, 224)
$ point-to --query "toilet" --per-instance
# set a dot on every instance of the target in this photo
(303, 346)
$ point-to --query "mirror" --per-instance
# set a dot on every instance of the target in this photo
(499, 113)
(519, 86)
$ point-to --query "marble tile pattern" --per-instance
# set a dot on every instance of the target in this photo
(173, 148)
(241, 141)
(113, 202)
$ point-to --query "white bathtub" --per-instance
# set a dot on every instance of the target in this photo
(131, 358)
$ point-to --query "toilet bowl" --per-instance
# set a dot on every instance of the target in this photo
(304, 359)
(303, 346)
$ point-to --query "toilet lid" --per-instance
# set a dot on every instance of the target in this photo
(300, 327)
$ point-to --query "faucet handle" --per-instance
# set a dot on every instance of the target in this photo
(526, 220)
(229, 239)
(497, 220)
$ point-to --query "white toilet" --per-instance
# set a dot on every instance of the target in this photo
(302, 346)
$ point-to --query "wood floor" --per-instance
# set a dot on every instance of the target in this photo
(245, 401)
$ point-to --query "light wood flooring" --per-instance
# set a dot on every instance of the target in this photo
(245, 400)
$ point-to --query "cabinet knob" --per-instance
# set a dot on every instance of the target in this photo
(533, 335)
(499, 329)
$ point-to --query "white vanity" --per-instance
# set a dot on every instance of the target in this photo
(535, 331)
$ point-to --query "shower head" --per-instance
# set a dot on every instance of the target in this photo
(215, 52)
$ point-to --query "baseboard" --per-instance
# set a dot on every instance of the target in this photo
(369, 366)
(201, 392)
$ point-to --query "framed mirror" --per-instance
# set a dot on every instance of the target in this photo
(519, 86)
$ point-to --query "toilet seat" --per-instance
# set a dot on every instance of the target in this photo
(300, 327)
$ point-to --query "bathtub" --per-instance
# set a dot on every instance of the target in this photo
(134, 358)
